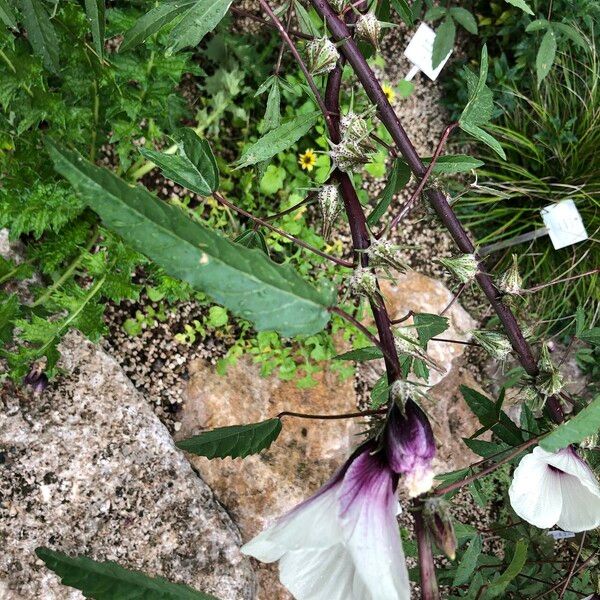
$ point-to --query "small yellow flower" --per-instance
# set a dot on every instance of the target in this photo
(389, 92)
(308, 160)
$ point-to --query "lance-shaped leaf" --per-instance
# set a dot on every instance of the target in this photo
(108, 580)
(40, 32)
(584, 423)
(451, 164)
(469, 562)
(245, 281)
(95, 12)
(361, 354)
(522, 5)
(398, 178)
(277, 140)
(7, 16)
(237, 441)
(546, 55)
(443, 42)
(516, 565)
(194, 166)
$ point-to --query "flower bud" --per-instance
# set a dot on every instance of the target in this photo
(383, 253)
(367, 29)
(410, 447)
(321, 56)
(354, 127)
(347, 156)
(463, 266)
(436, 513)
(363, 283)
(590, 442)
(549, 382)
(330, 204)
(534, 400)
(36, 378)
(495, 344)
(510, 281)
(338, 5)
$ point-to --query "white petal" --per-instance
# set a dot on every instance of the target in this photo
(370, 530)
(319, 574)
(312, 524)
(535, 492)
(568, 460)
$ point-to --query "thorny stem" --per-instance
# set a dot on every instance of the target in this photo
(440, 491)
(348, 317)
(291, 209)
(572, 570)
(340, 261)
(463, 342)
(249, 15)
(288, 21)
(353, 415)
(387, 115)
(408, 205)
(461, 289)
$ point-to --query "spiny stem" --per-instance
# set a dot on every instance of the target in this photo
(348, 317)
(461, 289)
(463, 342)
(287, 211)
(288, 21)
(353, 415)
(340, 261)
(246, 13)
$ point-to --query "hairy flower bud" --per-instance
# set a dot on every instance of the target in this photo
(436, 513)
(354, 127)
(36, 378)
(383, 253)
(549, 382)
(363, 283)
(338, 5)
(331, 205)
(495, 344)
(410, 447)
(347, 156)
(590, 442)
(321, 56)
(510, 282)
(367, 29)
(463, 266)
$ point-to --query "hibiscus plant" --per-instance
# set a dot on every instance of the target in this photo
(344, 541)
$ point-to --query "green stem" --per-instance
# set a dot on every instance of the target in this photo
(11, 273)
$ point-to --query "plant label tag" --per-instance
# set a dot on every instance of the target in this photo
(564, 224)
(420, 51)
(557, 534)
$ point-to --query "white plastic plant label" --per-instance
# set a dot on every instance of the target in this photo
(420, 50)
(564, 224)
(557, 534)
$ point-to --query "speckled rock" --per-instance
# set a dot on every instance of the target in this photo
(88, 468)
(258, 489)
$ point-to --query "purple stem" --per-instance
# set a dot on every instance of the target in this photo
(429, 587)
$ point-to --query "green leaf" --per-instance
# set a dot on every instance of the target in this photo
(464, 18)
(304, 21)
(245, 281)
(7, 15)
(546, 54)
(591, 336)
(516, 565)
(380, 392)
(403, 9)
(237, 441)
(579, 320)
(572, 33)
(584, 423)
(272, 118)
(522, 5)
(468, 563)
(485, 449)
(490, 417)
(108, 580)
(537, 25)
(451, 164)
(398, 178)
(153, 21)
(194, 166)
(444, 41)
(9, 311)
(429, 325)
(435, 13)
(251, 238)
(40, 32)
(485, 137)
(277, 140)
(201, 19)
(95, 12)
(361, 354)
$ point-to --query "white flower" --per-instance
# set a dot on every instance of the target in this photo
(342, 543)
(556, 488)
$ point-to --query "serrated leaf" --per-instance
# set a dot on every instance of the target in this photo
(252, 238)
(403, 9)
(468, 563)
(153, 21)
(245, 281)
(545, 56)
(572, 33)
(398, 178)
(485, 449)
(522, 5)
(516, 565)
(380, 392)
(483, 136)
(277, 140)
(464, 18)
(194, 166)
(199, 20)
(41, 33)
(7, 16)
(429, 325)
(450, 164)
(361, 354)
(583, 424)
(591, 336)
(435, 13)
(236, 441)
(9, 312)
(108, 580)
(304, 21)
(272, 118)
(444, 41)
(537, 25)
(95, 12)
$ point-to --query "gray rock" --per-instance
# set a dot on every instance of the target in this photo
(88, 468)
